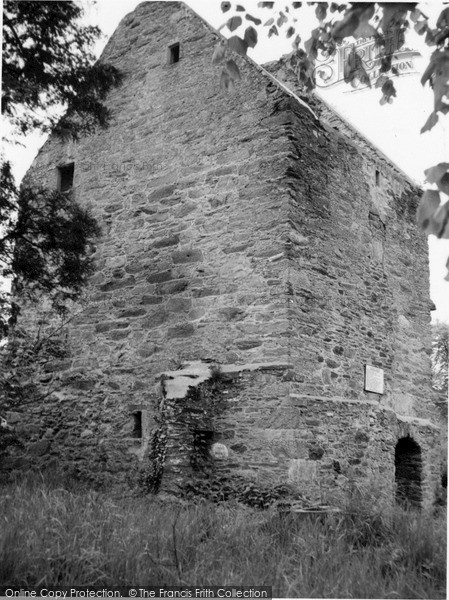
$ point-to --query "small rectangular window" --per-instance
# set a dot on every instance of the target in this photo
(173, 53)
(137, 424)
(65, 177)
(377, 177)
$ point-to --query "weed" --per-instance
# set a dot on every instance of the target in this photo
(53, 536)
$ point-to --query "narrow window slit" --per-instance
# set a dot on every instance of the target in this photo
(65, 177)
(137, 424)
(174, 53)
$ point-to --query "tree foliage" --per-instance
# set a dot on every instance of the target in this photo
(440, 357)
(48, 63)
(45, 247)
(48, 70)
(387, 24)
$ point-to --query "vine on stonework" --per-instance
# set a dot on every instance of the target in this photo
(225, 488)
(195, 414)
(152, 479)
(23, 362)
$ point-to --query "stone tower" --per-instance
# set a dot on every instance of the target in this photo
(260, 305)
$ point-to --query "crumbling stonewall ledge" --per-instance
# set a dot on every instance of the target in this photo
(260, 304)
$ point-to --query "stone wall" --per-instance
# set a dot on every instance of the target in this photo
(237, 231)
(358, 286)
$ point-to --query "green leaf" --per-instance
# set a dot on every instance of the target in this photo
(440, 176)
(290, 32)
(364, 30)
(296, 42)
(234, 23)
(321, 11)
(385, 100)
(281, 19)
(441, 221)
(443, 19)
(238, 45)
(441, 36)
(296, 4)
(240, 8)
(269, 22)
(219, 53)
(428, 205)
(233, 70)
(437, 61)
(421, 27)
(353, 18)
(225, 6)
(253, 19)
(251, 37)
(415, 15)
(381, 80)
(441, 84)
(443, 184)
(430, 123)
(346, 26)
(388, 89)
(273, 31)
(265, 4)
(354, 71)
(430, 38)
(393, 14)
(310, 46)
(434, 174)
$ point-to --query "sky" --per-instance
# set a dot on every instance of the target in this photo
(393, 128)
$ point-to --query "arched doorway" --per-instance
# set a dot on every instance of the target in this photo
(408, 467)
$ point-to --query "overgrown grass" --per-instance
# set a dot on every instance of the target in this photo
(51, 537)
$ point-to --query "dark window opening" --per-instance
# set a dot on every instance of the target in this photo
(408, 466)
(174, 54)
(65, 177)
(137, 425)
(201, 443)
(377, 177)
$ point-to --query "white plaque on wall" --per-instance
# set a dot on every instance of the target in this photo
(374, 379)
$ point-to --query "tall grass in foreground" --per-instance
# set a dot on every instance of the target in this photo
(51, 537)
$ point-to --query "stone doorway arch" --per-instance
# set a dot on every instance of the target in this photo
(408, 472)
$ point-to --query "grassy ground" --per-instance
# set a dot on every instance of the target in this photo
(51, 537)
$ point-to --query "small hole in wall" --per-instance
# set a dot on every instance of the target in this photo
(137, 424)
(65, 177)
(173, 54)
(377, 177)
